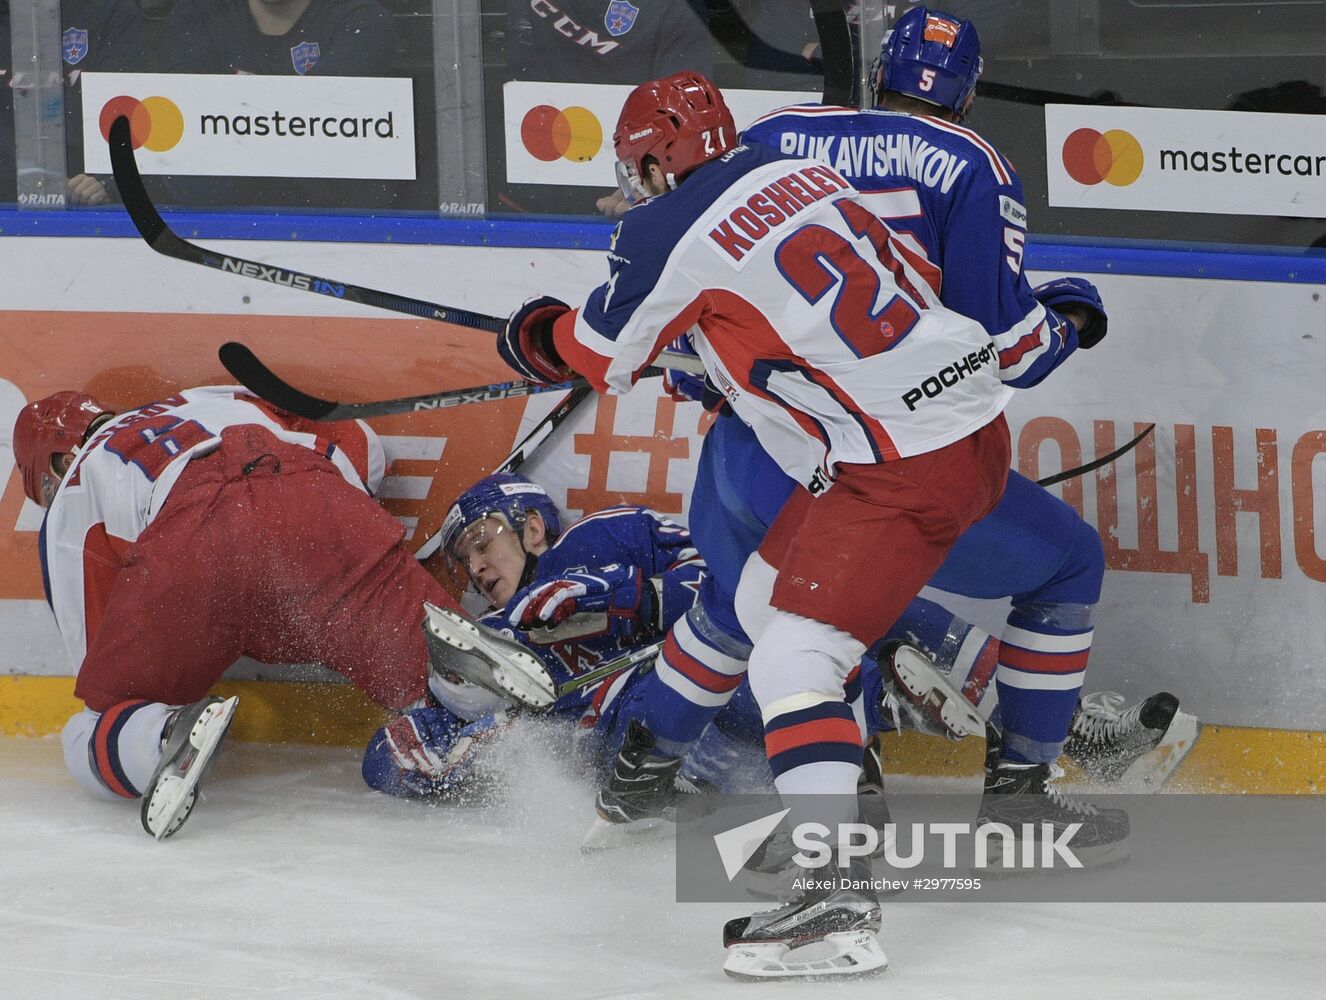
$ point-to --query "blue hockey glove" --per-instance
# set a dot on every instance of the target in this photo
(683, 387)
(419, 740)
(527, 342)
(434, 751)
(620, 601)
(1069, 292)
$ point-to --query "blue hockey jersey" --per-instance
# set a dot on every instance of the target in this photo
(958, 197)
(455, 730)
(630, 536)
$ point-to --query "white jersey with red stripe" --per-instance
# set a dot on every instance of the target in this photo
(123, 476)
(825, 333)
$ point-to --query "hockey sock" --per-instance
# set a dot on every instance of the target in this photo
(1042, 658)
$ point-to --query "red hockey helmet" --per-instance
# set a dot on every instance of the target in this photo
(680, 120)
(49, 427)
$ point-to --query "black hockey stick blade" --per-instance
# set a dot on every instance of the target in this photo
(264, 383)
(1082, 470)
(161, 238)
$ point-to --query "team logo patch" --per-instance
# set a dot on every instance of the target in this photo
(305, 56)
(620, 17)
(75, 44)
(942, 30)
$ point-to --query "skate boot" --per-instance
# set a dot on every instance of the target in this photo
(1106, 738)
(1023, 797)
(917, 692)
(771, 872)
(828, 931)
(870, 795)
(189, 742)
(482, 656)
(638, 803)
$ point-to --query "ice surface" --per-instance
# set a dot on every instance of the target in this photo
(293, 881)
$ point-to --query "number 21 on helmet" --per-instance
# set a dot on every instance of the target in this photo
(679, 122)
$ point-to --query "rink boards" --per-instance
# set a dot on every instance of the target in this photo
(1210, 526)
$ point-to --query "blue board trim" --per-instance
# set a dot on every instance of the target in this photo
(1058, 255)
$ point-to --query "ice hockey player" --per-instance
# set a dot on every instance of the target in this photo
(844, 392)
(183, 534)
(1033, 547)
(612, 583)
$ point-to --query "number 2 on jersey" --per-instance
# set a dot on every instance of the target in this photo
(815, 259)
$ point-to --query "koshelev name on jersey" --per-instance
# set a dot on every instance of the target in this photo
(950, 375)
(769, 208)
(863, 156)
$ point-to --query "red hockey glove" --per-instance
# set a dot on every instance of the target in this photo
(527, 342)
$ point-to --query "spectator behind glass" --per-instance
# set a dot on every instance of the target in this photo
(96, 36)
(594, 41)
(602, 41)
(281, 38)
(775, 41)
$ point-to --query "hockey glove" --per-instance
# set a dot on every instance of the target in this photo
(527, 342)
(683, 387)
(1064, 293)
(433, 750)
(419, 740)
(613, 600)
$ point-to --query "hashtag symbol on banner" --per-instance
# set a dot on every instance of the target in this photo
(603, 442)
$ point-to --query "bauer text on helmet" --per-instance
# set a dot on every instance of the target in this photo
(678, 122)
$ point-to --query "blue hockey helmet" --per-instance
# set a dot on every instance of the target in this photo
(505, 495)
(931, 56)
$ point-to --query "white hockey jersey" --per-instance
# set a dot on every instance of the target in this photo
(824, 332)
(123, 476)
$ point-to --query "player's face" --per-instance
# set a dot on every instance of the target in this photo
(494, 558)
(50, 483)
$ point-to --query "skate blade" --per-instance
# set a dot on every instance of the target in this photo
(516, 672)
(172, 798)
(848, 954)
(1151, 771)
(605, 836)
(928, 689)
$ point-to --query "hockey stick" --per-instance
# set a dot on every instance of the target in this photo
(1082, 470)
(541, 432)
(264, 383)
(161, 238)
(609, 668)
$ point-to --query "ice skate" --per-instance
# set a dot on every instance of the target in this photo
(191, 738)
(829, 931)
(1106, 739)
(770, 872)
(1017, 794)
(638, 803)
(457, 645)
(919, 691)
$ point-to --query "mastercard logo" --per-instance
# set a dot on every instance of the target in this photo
(1114, 157)
(154, 122)
(550, 133)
